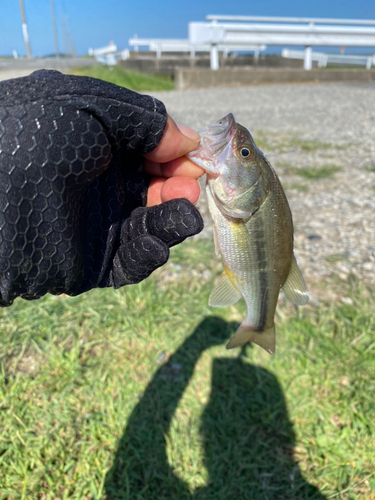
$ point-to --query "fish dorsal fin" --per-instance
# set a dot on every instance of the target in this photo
(295, 287)
(224, 294)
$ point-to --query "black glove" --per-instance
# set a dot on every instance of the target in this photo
(70, 153)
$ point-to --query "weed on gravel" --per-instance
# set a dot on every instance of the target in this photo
(271, 141)
(336, 257)
(131, 394)
(313, 173)
(296, 187)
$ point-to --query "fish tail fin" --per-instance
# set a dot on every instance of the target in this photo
(246, 333)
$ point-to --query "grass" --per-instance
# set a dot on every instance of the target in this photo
(336, 257)
(312, 145)
(129, 79)
(131, 394)
(297, 187)
(313, 173)
(282, 142)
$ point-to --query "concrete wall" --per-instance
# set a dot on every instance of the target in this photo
(186, 79)
(264, 61)
(163, 66)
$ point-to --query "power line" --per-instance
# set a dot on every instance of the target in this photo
(68, 41)
(55, 29)
(24, 30)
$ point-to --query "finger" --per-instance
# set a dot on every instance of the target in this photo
(135, 260)
(171, 222)
(174, 143)
(161, 190)
(180, 187)
(180, 167)
(154, 191)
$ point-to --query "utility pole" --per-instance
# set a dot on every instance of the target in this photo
(24, 30)
(55, 29)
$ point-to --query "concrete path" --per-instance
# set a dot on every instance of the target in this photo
(15, 68)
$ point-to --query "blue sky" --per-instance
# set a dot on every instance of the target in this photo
(93, 23)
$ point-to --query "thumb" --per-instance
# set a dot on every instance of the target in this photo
(174, 143)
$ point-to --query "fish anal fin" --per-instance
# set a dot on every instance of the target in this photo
(246, 333)
(295, 287)
(224, 293)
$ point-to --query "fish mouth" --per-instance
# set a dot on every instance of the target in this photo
(214, 139)
(220, 128)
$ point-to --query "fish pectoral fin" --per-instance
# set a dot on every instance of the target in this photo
(224, 294)
(295, 287)
(246, 333)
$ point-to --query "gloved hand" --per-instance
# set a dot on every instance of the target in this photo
(71, 193)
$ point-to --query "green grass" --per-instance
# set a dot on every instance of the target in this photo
(129, 79)
(336, 257)
(270, 141)
(312, 145)
(131, 394)
(313, 173)
(298, 187)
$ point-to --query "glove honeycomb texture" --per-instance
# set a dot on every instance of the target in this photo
(70, 153)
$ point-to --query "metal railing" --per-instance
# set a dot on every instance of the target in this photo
(307, 32)
(313, 20)
(181, 45)
(109, 54)
(322, 59)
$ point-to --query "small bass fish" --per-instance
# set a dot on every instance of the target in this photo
(253, 230)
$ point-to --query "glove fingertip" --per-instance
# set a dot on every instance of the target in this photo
(172, 222)
(137, 259)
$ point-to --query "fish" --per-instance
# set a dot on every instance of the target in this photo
(253, 230)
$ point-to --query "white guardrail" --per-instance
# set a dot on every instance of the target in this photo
(254, 33)
(323, 59)
(181, 45)
(109, 54)
(307, 32)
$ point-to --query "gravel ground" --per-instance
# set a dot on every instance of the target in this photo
(15, 68)
(316, 126)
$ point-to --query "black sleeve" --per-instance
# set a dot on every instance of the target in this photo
(70, 152)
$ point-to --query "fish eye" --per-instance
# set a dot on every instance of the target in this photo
(246, 153)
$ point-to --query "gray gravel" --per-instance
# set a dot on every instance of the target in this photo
(16, 68)
(333, 217)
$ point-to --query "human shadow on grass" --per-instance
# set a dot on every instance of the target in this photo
(247, 437)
